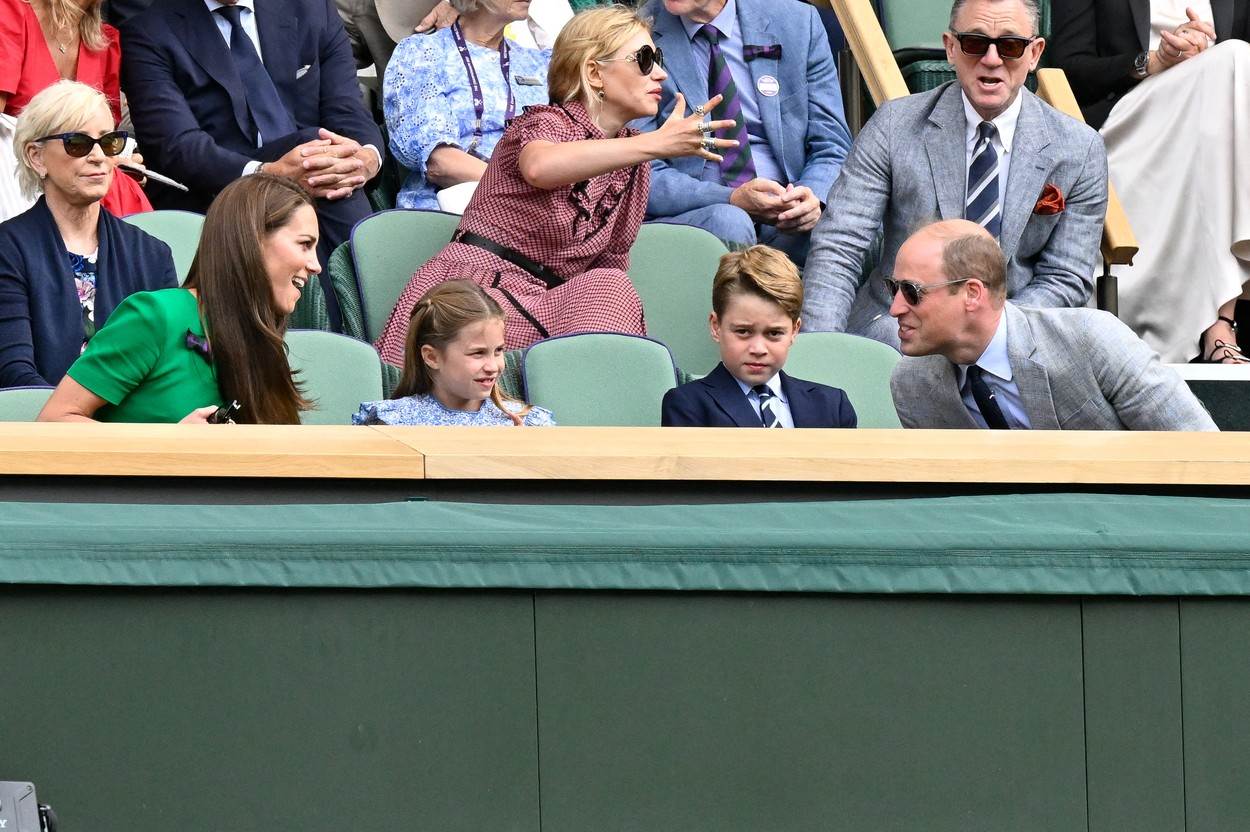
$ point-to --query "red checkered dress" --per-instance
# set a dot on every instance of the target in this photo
(581, 232)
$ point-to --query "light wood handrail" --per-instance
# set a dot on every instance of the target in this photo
(242, 452)
(885, 82)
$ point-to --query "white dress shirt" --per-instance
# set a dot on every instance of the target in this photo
(781, 407)
(996, 366)
(1005, 124)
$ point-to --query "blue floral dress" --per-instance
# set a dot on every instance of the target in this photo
(428, 103)
(429, 411)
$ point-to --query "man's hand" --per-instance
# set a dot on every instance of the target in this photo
(763, 199)
(801, 210)
(291, 164)
(440, 17)
(334, 170)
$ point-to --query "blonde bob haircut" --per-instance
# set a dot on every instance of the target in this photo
(61, 108)
(594, 34)
(761, 271)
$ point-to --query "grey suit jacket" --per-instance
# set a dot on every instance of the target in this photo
(1077, 369)
(908, 168)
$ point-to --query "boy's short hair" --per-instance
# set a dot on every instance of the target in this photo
(762, 271)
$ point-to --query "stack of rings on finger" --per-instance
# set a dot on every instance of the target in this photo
(709, 143)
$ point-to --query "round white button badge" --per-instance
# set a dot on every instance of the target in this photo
(767, 85)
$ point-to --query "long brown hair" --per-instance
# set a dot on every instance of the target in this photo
(236, 298)
(436, 320)
(67, 14)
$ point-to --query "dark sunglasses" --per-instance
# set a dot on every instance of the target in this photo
(1009, 47)
(80, 144)
(646, 57)
(914, 292)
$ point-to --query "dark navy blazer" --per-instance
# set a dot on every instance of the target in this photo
(189, 105)
(41, 326)
(716, 401)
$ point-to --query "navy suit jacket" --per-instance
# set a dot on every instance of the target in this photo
(804, 122)
(41, 326)
(189, 105)
(716, 401)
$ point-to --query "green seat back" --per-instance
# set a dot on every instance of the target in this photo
(860, 366)
(336, 371)
(180, 230)
(600, 378)
(22, 404)
(387, 248)
(919, 24)
(672, 267)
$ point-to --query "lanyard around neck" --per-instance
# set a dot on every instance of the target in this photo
(475, 86)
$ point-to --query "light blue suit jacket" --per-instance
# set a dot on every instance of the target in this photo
(804, 122)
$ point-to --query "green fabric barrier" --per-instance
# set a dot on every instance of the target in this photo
(1034, 543)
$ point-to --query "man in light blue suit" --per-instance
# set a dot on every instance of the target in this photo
(982, 148)
(771, 61)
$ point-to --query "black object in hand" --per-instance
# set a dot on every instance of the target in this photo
(223, 415)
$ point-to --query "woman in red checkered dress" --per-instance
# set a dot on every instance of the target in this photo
(548, 232)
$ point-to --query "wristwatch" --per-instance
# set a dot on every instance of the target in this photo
(1141, 65)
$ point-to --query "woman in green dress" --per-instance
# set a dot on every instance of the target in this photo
(177, 355)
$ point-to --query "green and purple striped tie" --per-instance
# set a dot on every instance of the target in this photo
(736, 167)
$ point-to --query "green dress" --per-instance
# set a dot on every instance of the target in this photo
(140, 363)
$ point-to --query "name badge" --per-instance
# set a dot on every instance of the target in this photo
(528, 80)
(767, 85)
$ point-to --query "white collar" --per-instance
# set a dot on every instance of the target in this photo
(214, 5)
(995, 360)
(1005, 123)
(773, 384)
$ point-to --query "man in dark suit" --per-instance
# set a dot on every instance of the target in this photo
(219, 90)
(756, 298)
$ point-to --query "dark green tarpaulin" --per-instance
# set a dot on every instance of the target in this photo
(1026, 543)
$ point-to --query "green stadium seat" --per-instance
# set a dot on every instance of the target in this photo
(22, 404)
(860, 366)
(599, 378)
(180, 230)
(337, 371)
(672, 267)
(387, 248)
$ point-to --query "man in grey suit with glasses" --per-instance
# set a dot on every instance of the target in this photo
(975, 360)
(982, 148)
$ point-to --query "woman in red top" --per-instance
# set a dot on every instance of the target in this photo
(44, 41)
(548, 232)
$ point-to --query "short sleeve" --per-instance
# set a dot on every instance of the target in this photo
(12, 45)
(414, 100)
(541, 123)
(539, 417)
(124, 351)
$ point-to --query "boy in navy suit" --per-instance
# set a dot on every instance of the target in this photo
(756, 298)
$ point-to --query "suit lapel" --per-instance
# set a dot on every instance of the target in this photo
(801, 403)
(753, 28)
(947, 398)
(1222, 11)
(196, 30)
(945, 142)
(1027, 175)
(275, 21)
(678, 56)
(728, 396)
(1141, 20)
(1029, 374)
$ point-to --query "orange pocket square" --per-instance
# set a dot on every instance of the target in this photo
(1050, 202)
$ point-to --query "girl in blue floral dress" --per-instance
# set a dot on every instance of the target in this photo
(452, 362)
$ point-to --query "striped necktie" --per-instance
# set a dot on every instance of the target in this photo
(767, 415)
(736, 167)
(982, 205)
(269, 114)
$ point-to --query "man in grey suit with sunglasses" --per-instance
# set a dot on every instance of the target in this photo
(974, 360)
(982, 148)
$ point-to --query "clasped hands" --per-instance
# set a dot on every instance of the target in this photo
(328, 167)
(1187, 40)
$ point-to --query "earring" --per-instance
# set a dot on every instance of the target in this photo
(602, 95)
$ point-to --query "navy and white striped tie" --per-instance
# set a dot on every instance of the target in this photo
(983, 206)
(767, 415)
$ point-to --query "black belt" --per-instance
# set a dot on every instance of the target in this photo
(516, 258)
